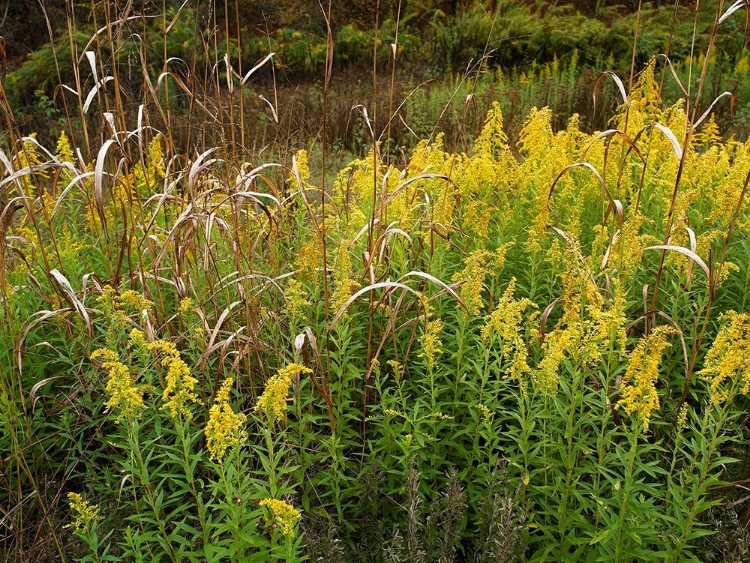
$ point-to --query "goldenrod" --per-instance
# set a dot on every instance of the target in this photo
(224, 427)
(431, 344)
(180, 388)
(284, 515)
(472, 279)
(728, 360)
(505, 320)
(557, 343)
(638, 385)
(186, 305)
(123, 393)
(296, 299)
(272, 403)
(84, 513)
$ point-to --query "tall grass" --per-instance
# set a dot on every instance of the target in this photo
(533, 349)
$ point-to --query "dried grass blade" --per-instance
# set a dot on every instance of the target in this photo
(687, 252)
(63, 286)
(672, 139)
(98, 183)
(252, 71)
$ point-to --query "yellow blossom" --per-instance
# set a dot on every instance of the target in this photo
(138, 339)
(472, 278)
(485, 412)
(123, 393)
(84, 513)
(557, 343)
(728, 360)
(134, 300)
(505, 320)
(284, 515)
(186, 305)
(638, 385)
(180, 387)
(431, 344)
(344, 289)
(296, 299)
(272, 403)
(64, 152)
(682, 417)
(224, 426)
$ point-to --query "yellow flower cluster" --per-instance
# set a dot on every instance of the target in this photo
(638, 385)
(224, 426)
(135, 301)
(284, 514)
(557, 343)
(343, 290)
(485, 412)
(430, 340)
(310, 258)
(682, 416)
(296, 299)
(84, 513)
(472, 279)
(117, 307)
(123, 393)
(505, 320)
(156, 168)
(64, 152)
(138, 340)
(344, 285)
(272, 403)
(180, 388)
(186, 306)
(303, 169)
(505, 323)
(728, 360)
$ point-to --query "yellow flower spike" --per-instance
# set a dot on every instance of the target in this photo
(84, 513)
(105, 354)
(472, 276)
(638, 385)
(682, 416)
(187, 305)
(303, 169)
(136, 301)
(296, 300)
(485, 412)
(505, 320)
(557, 343)
(138, 339)
(224, 427)
(430, 340)
(728, 360)
(284, 514)
(156, 167)
(492, 139)
(123, 393)
(64, 152)
(180, 388)
(272, 403)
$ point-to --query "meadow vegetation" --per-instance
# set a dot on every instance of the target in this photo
(477, 346)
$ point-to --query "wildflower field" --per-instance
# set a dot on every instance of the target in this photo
(501, 348)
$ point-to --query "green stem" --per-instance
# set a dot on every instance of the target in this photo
(191, 482)
(145, 481)
(239, 553)
(699, 489)
(627, 486)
